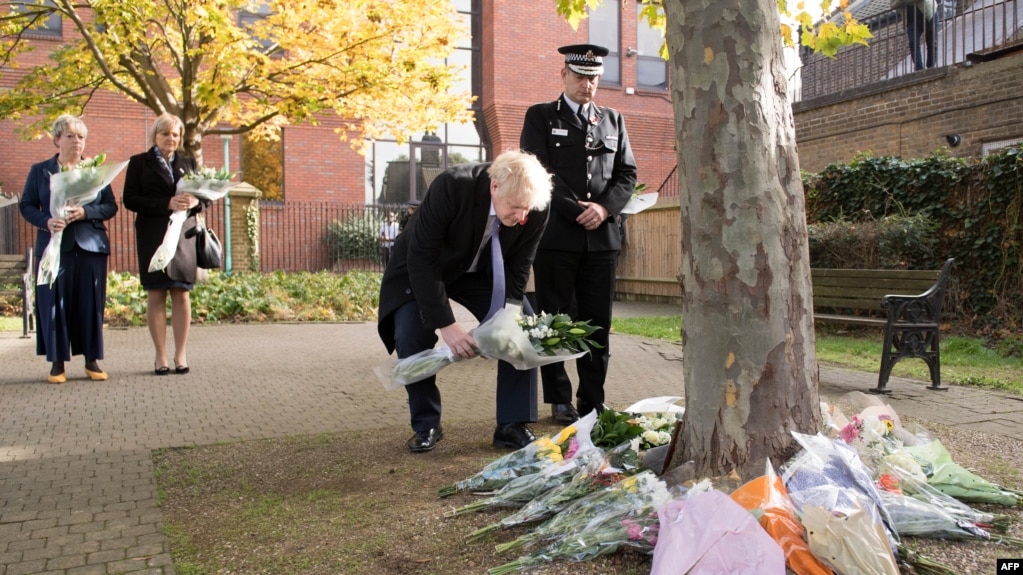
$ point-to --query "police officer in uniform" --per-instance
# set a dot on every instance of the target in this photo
(586, 149)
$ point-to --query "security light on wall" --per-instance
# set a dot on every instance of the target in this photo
(953, 140)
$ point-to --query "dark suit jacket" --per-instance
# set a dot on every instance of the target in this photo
(89, 234)
(440, 242)
(591, 163)
(147, 192)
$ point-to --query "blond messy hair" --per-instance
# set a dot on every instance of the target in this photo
(521, 177)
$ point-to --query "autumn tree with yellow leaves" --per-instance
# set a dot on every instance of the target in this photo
(749, 363)
(242, 67)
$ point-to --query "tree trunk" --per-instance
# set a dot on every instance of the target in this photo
(191, 141)
(750, 366)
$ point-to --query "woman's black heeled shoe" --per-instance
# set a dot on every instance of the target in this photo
(181, 369)
(161, 370)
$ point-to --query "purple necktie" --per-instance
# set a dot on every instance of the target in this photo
(497, 264)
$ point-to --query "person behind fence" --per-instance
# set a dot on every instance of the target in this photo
(69, 312)
(446, 254)
(587, 149)
(918, 17)
(410, 209)
(388, 232)
(150, 191)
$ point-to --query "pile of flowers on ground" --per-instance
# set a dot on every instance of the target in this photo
(842, 505)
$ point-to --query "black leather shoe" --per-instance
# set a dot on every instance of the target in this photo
(425, 440)
(513, 435)
(585, 407)
(564, 413)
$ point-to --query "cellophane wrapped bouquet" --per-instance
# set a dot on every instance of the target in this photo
(73, 187)
(205, 184)
(524, 341)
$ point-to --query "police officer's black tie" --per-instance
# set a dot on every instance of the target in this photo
(582, 115)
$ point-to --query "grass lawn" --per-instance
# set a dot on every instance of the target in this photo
(964, 361)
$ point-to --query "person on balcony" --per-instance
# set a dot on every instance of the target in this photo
(918, 16)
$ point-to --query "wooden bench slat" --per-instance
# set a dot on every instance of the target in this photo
(17, 279)
(847, 319)
(877, 274)
(909, 300)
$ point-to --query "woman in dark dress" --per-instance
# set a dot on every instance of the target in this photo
(150, 191)
(69, 312)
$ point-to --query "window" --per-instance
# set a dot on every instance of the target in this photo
(604, 31)
(989, 148)
(651, 69)
(391, 169)
(249, 17)
(46, 25)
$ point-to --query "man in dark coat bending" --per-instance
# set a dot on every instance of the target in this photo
(445, 254)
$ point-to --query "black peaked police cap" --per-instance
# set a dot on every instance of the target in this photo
(585, 59)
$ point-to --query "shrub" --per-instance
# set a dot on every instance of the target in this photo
(894, 242)
(239, 297)
(357, 237)
(976, 205)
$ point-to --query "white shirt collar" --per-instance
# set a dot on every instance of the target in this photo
(572, 105)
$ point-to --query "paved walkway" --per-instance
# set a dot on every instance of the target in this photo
(77, 488)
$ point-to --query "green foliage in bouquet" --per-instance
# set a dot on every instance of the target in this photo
(208, 173)
(614, 428)
(92, 162)
(553, 333)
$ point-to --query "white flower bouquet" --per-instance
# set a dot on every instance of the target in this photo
(533, 340)
(523, 341)
(72, 188)
(205, 184)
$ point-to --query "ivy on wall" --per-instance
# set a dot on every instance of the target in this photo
(975, 205)
(252, 230)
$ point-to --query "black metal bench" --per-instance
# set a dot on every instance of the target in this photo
(17, 277)
(911, 323)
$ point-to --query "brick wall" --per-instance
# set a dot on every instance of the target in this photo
(522, 67)
(909, 117)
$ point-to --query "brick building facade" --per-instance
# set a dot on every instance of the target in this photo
(517, 64)
(912, 116)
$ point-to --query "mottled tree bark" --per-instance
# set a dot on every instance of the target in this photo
(748, 343)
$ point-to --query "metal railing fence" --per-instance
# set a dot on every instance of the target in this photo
(316, 236)
(965, 32)
(9, 217)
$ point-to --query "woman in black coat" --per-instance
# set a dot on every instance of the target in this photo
(69, 312)
(150, 189)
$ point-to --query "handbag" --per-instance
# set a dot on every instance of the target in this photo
(209, 253)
